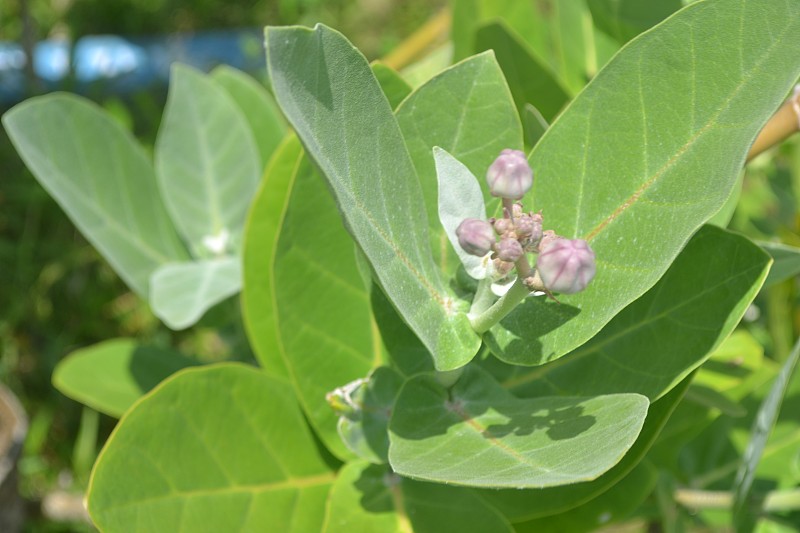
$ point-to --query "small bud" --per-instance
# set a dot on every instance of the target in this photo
(475, 236)
(508, 250)
(510, 176)
(501, 269)
(547, 237)
(529, 229)
(566, 266)
(502, 225)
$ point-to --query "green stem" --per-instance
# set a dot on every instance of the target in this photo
(501, 307)
(484, 297)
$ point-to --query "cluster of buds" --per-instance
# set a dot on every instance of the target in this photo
(563, 265)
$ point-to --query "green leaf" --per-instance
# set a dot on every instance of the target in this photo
(612, 506)
(392, 83)
(521, 505)
(207, 162)
(672, 329)
(260, 243)
(367, 498)
(693, 106)
(534, 125)
(222, 448)
(364, 429)
(529, 79)
(786, 262)
(258, 108)
(112, 375)
(321, 307)
(466, 110)
(182, 292)
(101, 178)
(460, 197)
(625, 19)
(327, 91)
(478, 434)
(765, 419)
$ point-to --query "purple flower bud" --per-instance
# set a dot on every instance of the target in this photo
(475, 236)
(548, 236)
(510, 176)
(502, 225)
(508, 249)
(566, 266)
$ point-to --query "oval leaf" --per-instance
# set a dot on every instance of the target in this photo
(477, 434)
(222, 448)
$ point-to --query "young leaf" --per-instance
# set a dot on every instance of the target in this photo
(101, 178)
(478, 434)
(327, 91)
(682, 99)
(182, 292)
(258, 108)
(207, 162)
(759, 433)
(367, 498)
(460, 197)
(112, 375)
(221, 448)
(661, 337)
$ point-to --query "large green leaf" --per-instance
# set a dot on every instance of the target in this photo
(521, 505)
(112, 375)
(258, 255)
(393, 85)
(222, 448)
(466, 110)
(207, 162)
(367, 498)
(258, 108)
(691, 95)
(101, 178)
(329, 94)
(478, 434)
(661, 337)
(182, 292)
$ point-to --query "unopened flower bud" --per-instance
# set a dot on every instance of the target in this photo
(529, 230)
(508, 250)
(475, 236)
(510, 176)
(548, 236)
(502, 225)
(566, 266)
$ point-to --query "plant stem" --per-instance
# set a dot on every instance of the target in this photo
(484, 297)
(448, 378)
(501, 307)
(777, 500)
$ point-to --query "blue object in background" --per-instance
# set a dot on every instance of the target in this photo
(117, 65)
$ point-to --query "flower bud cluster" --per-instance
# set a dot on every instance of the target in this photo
(564, 265)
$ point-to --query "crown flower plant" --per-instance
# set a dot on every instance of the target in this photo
(432, 339)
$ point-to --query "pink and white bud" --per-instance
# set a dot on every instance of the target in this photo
(475, 236)
(502, 225)
(508, 249)
(566, 265)
(510, 176)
